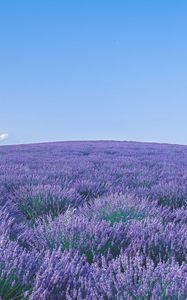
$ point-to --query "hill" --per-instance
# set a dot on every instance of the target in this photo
(93, 220)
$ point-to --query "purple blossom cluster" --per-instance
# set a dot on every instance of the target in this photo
(93, 220)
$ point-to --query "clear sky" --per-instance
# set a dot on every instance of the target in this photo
(93, 69)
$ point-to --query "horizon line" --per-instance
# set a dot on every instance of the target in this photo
(92, 140)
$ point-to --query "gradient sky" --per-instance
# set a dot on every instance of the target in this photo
(98, 69)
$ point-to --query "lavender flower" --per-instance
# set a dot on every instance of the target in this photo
(93, 220)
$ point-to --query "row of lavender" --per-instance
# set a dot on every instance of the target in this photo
(93, 220)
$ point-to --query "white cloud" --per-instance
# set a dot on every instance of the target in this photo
(3, 136)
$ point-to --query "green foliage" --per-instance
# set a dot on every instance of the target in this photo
(12, 289)
(172, 201)
(123, 216)
(37, 207)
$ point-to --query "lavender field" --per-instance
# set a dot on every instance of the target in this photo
(93, 220)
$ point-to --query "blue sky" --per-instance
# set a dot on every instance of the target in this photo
(98, 69)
